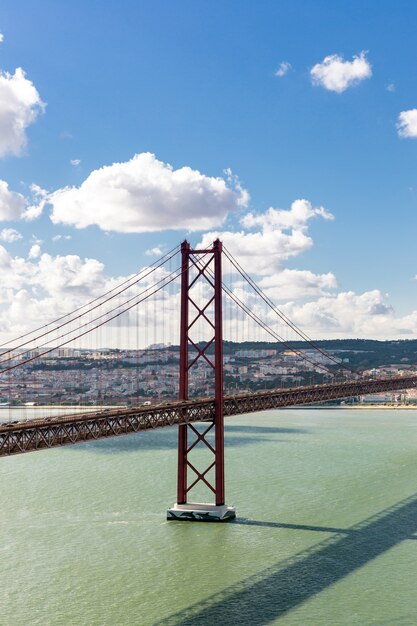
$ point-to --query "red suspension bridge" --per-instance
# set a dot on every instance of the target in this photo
(202, 294)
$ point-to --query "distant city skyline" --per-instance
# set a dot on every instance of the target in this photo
(288, 130)
(125, 376)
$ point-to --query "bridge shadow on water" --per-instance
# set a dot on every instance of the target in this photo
(166, 438)
(264, 597)
(322, 529)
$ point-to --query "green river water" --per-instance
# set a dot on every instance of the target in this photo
(326, 531)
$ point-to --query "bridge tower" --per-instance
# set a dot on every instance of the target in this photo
(206, 266)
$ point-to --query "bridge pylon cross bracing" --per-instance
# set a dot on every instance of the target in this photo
(207, 268)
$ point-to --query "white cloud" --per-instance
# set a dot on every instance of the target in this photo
(10, 235)
(332, 316)
(12, 203)
(35, 251)
(312, 301)
(36, 290)
(348, 314)
(16, 206)
(44, 276)
(141, 195)
(290, 284)
(283, 69)
(336, 74)
(157, 251)
(36, 205)
(262, 251)
(407, 123)
(146, 195)
(59, 237)
(390, 87)
(69, 274)
(75, 162)
(1, 37)
(283, 234)
(296, 218)
(20, 105)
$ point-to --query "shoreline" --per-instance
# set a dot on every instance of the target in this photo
(357, 406)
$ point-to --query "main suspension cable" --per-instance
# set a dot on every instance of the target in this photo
(167, 280)
(265, 326)
(95, 319)
(64, 343)
(122, 288)
(282, 315)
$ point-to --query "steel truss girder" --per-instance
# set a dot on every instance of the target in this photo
(60, 431)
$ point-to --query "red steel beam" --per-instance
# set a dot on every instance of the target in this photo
(218, 374)
(183, 389)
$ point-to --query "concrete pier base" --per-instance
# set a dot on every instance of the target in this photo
(201, 512)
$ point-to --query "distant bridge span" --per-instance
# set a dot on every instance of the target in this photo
(38, 434)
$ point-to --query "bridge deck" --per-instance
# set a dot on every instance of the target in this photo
(37, 434)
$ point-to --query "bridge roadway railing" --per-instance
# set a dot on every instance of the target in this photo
(37, 434)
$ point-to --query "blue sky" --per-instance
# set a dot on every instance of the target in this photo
(195, 84)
